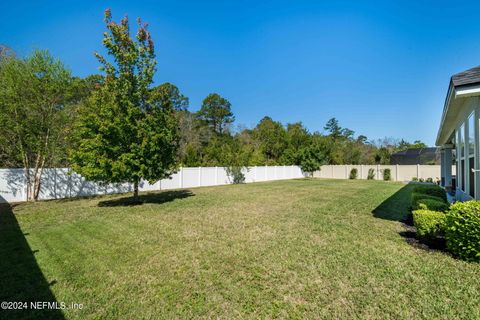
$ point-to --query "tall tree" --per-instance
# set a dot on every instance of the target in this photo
(297, 137)
(125, 133)
(169, 93)
(216, 112)
(34, 95)
(333, 127)
(272, 137)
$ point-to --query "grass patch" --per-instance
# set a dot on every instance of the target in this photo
(307, 248)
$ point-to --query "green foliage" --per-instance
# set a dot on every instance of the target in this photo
(429, 180)
(371, 174)
(271, 137)
(431, 204)
(432, 190)
(462, 230)
(414, 179)
(333, 128)
(216, 112)
(36, 96)
(168, 93)
(387, 175)
(429, 223)
(425, 201)
(236, 174)
(313, 156)
(126, 132)
(353, 174)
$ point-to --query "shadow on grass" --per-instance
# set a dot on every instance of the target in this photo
(21, 279)
(158, 197)
(397, 207)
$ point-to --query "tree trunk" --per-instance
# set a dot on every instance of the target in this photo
(135, 192)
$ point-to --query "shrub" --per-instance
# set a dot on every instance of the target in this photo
(425, 201)
(371, 174)
(421, 180)
(353, 173)
(387, 175)
(431, 204)
(431, 190)
(414, 179)
(430, 224)
(236, 174)
(429, 180)
(462, 230)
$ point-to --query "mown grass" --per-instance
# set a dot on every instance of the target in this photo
(288, 249)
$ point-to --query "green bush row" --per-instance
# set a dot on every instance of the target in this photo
(430, 202)
(429, 223)
(460, 225)
(462, 230)
(431, 189)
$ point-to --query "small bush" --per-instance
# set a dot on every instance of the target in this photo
(462, 230)
(353, 174)
(387, 175)
(430, 224)
(236, 174)
(431, 204)
(429, 180)
(371, 174)
(414, 179)
(425, 201)
(421, 180)
(431, 190)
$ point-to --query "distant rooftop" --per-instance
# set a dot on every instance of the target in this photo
(467, 77)
(415, 156)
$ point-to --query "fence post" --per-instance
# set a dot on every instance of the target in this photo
(181, 177)
(378, 172)
(418, 171)
(266, 172)
(216, 175)
(199, 176)
(255, 174)
(396, 172)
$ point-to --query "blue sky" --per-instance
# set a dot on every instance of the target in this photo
(381, 68)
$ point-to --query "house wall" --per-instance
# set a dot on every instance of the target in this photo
(465, 190)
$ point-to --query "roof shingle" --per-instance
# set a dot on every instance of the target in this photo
(467, 77)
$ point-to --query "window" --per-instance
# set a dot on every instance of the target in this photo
(471, 154)
(461, 160)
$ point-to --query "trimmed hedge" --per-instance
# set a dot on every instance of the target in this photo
(462, 230)
(431, 204)
(353, 174)
(431, 190)
(430, 224)
(387, 175)
(425, 201)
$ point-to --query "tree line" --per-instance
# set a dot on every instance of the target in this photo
(118, 127)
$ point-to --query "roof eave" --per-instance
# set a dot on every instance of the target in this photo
(445, 110)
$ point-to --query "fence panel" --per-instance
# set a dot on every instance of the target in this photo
(58, 183)
(397, 172)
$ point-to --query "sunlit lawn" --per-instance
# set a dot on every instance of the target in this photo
(289, 249)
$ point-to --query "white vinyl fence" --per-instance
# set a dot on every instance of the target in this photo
(62, 183)
(397, 172)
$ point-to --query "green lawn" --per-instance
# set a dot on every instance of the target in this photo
(287, 249)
